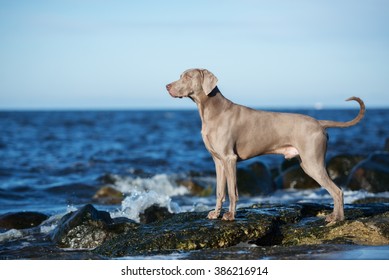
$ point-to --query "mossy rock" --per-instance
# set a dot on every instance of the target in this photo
(365, 225)
(108, 195)
(188, 231)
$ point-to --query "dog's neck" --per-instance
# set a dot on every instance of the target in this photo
(214, 100)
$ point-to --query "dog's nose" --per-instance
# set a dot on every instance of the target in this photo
(169, 86)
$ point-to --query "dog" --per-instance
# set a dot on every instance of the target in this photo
(233, 133)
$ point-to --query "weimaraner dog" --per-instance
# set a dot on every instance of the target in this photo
(233, 133)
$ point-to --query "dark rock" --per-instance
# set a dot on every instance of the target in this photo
(109, 179)
(189, 231)
(154, 213)
(386, 148)
(295, 178)
(108, 195)
(368, 200)
(196, 187)
(339, 167)
(88, 228)
(299, 224)
(275, 172)
(21, 220)
(371, 174)
(287, 163)
(254, 180)
(365, 225)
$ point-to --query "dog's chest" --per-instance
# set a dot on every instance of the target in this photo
(207, 140)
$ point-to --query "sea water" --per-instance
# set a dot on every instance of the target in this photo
(54, 161)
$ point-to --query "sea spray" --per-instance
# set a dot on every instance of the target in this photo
(141, 193)
(159, 183)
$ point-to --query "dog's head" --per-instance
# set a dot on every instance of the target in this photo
(193, 82)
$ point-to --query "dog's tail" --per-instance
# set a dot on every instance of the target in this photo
(361, 113)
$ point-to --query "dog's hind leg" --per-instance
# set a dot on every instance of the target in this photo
(312, 162)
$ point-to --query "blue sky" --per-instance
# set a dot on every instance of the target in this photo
(95, 54)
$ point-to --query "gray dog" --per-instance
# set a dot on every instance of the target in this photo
(232, 133)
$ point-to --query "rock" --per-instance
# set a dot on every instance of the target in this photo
(365, 225)
(287, 163)
(154, 213)
(108, 195)
(188, 231)
(340, 166)
(109, 179)
(88, 228)
(196, 187)
(300, 224)
(254, 180)
(295, 178)
(21, 220)
(371, 174)
(386, 148)
(368, 200)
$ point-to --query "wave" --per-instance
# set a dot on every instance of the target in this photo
(141, 193)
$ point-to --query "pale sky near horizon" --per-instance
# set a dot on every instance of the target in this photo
(96, 54)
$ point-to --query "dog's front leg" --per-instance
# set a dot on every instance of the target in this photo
(230, 168)
(220, 188)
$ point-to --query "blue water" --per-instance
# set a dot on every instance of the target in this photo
(50, 159)
(53, 161)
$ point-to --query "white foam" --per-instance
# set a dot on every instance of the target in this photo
(145, 192)
(51, 223)
(11, 234)
(315, 196)
(141, 193)
(351, 196)
(47, 229)
(159, 183)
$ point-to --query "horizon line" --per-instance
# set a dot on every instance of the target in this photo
(141, 108)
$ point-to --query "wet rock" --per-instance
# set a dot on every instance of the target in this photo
(365, 225)
(108, 195)
(254, 180)
(371, 174)
(154, 213)
(189, 231)
(196, 187)
(300, 224)
(88, 228)
(295, 178)
(21, 220)
(339, 167)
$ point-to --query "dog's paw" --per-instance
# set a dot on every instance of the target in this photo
(228, 216)
(213, 215)
(333, 218)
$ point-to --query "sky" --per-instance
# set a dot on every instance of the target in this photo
(93, 54)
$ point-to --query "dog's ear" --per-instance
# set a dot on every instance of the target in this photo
(209, 81)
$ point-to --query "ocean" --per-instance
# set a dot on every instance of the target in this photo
(53, 162)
